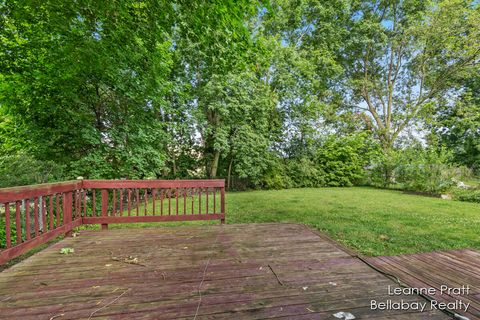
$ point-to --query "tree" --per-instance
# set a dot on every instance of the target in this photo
(215, 44)
(86, 82)
(457, 125)
(305, 68)
(402, 56)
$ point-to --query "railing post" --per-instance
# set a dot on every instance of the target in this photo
(67, 211)
(104, 207)
(222, 204)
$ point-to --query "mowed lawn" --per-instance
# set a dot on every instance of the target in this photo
(371, 221)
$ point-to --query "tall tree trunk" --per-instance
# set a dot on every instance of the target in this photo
(214, 165)
(229, 175)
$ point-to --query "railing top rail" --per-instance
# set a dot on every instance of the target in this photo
(118, 184)
(31, 191)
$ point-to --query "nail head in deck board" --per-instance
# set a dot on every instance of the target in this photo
(238, 283)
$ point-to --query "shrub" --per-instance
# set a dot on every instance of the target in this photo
(304, 172)
(23, 169)
(425, 170)
(343, 159)
(415, 169)
(275, 177)
(470, 195)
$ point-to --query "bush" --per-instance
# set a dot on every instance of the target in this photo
(304, 173)
(425, 170)
(343, 159)
(23, 169)
(415, 169)
(275, 177)
(472, 195)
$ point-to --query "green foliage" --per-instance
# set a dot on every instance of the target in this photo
(343, 159)
(23, 169)
(304, 172)
(336, 162)
(275, 177)
(457, 125)
(415, 169)
(258, 91)
(85, 88)
(66, 251)
(468, 195)
(425, 170)
(403, 56)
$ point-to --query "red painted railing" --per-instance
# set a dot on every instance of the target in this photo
(33, 215)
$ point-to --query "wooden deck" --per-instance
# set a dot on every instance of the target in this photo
(453, 269)
(198, 272)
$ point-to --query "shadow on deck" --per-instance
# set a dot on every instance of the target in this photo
(246, 271)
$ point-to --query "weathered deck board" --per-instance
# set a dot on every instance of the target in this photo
(455, 268)
(253, 271)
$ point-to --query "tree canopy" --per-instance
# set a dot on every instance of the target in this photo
(258, 92)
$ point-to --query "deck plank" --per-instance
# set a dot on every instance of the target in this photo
(454, 269)
(249, 271)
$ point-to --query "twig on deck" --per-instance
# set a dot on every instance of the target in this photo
(57, 316)
(276, 276)
(199, 289)
(111, 302)
(203, 278)
(128, 260)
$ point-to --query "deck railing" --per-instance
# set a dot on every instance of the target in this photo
(33, 215)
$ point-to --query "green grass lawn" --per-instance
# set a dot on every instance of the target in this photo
(371, 221)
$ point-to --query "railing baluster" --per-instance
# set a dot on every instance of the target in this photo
(145, 200)
(206, 201)
(35, 215)
(199, 200)
(114, 205)
(169, 201)
(162, 192)
(184, 201)
(104, 207)
(27, 219)
(154, 194)
(137, 201)
(84, 202)
(121, 202)
(50, 210)
(18, 221)
(129, 202)
(75, 204)
(222, 203)
(57, 212)
(67, 203)
(7, 225)
(214, 200)
(44, 214)
(193, 199)
(94, 203)
(176, 200)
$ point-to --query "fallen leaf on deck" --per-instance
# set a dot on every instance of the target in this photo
(67, 250)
